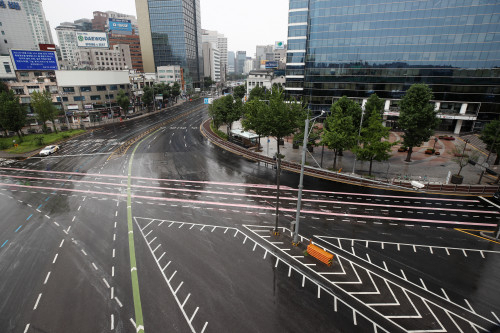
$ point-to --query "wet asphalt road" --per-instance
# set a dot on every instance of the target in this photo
(204, 258)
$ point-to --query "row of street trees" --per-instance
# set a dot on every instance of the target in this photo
(347, 127)
(167, 91)
(13, 115)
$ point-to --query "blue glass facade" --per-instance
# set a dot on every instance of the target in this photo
(358, 47)
(176, 36)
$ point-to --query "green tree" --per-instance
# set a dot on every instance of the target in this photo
(123, 101)
(176, 90)
(12, 113)
(147, 95)
(42, 105)
(207, 82)
(239, 92)
(491, 137)
(340, 129)
(374, 103)
(254, 117)
(417, 117)
(373, 147)
(259, 93)
(225, 111)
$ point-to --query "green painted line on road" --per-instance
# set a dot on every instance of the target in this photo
(139, 320)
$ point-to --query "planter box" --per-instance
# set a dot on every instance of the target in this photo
(437, 153)
(402, 150)
(455, 179)
(429, 152)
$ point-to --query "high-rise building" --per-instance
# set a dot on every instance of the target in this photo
(15, 30)
(134, 44)
(66, 35)
(342, 47)
(39, 26)
(241, 56)
(211, 61)
(101, 19)
(171, 35)
(221, 44)
(231, 67)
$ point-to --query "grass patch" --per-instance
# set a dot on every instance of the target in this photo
(34, 141)
(218, 132)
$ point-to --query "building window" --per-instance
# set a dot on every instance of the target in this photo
(85, 89)
(78, 98)
(32, 89)
(3, 32)
(114, 87)
(95, 97)
(69, 89)
(5, 41)
(7, 67)
(122, 86)
(110, 96)
(25, 100)
(101, 88)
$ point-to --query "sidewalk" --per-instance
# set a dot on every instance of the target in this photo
(424, 168)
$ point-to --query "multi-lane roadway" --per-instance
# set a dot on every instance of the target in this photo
(173, 234)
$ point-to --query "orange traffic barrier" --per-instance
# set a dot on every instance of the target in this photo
(320, 254)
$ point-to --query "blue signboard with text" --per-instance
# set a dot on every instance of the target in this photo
(25, 60)
(271, 64)
(119, 25)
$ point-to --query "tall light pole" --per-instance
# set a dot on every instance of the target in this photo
(295, 225)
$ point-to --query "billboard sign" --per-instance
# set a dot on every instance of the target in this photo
(279, 45)
(119, 25)
(47, 47)
(25, 60)
(91, 39)
(271, 64)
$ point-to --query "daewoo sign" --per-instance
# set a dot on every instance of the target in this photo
(91, 39)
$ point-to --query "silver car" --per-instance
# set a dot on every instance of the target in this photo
(49, 150)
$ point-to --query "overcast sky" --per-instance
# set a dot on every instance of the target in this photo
(244, 23)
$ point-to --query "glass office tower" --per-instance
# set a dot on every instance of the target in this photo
(359, 47)
(171, 35)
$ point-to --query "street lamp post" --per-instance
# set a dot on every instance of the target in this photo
(295, 225)
(435, 141)
(359, 134)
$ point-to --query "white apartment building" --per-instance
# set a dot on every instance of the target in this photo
(67, 41)
(220, 43)
(38, 24)
(263, 78)
(15, 32)
(169, 74)
(118, 58)
(6, 69)
(248, 66)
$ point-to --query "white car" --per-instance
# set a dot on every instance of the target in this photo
(49, 150)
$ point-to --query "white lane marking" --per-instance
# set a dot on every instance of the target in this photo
(194, 314)
(113, 253)
(62, 242)
(112, 322)
(83, 251)
(37, 300)
(95, 267)
(106, 282)
(468, 304)
(47, 278)
(55, 258)
(118, 301)
(113, 271)
(445, 295)
(27, 328)
(185, 300)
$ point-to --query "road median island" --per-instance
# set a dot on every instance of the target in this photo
(32, 143)
(400, 185)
